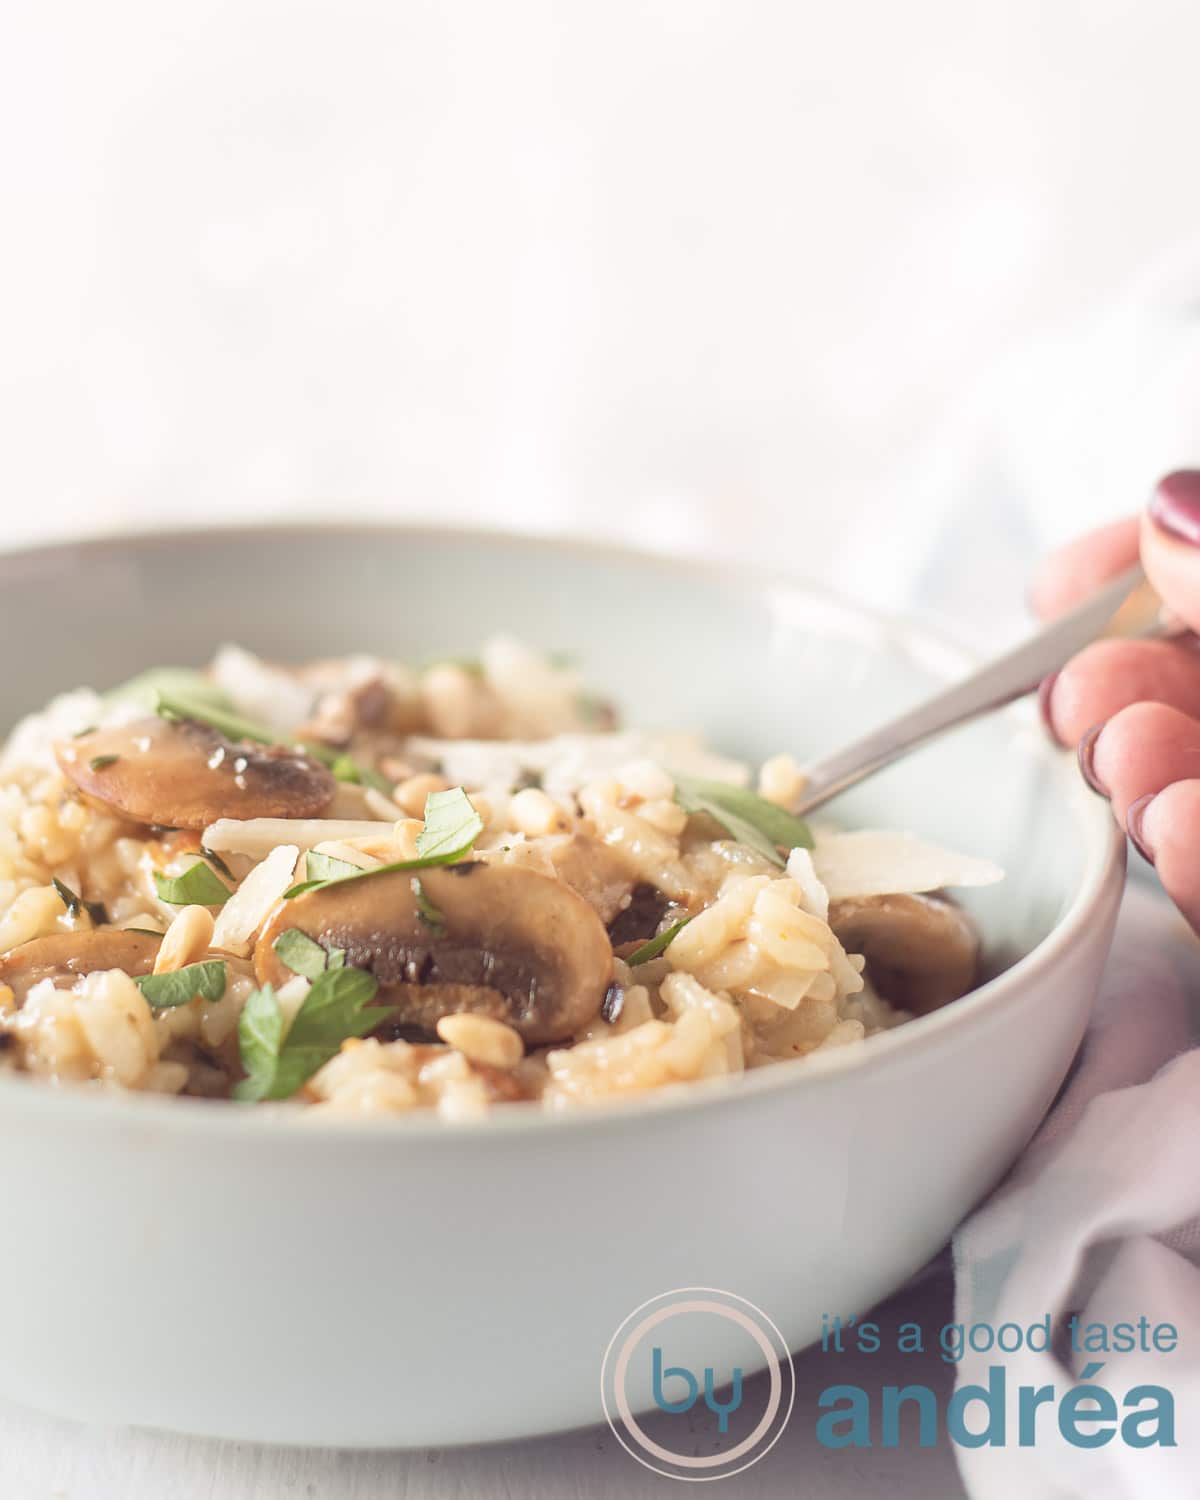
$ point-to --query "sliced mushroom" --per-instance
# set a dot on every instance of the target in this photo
(921, 951)
(494, 939)
(580, 859)
(178, 773)
(641, 919)
(69, 955)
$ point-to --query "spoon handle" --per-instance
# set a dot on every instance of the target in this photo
(1002, 681)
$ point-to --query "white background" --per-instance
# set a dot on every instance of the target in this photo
(842, 288)
(695, 273)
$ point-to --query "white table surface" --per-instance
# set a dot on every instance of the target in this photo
(42, 1458)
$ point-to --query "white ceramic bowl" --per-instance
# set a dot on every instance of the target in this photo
(215, 1270)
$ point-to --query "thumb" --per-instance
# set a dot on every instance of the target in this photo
(1170, 544)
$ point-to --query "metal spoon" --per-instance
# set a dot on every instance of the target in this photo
(1002, 681)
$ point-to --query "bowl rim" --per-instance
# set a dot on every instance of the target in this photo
(1103, 873)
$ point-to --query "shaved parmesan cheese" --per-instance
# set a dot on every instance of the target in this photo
(565, 762)
(261, 691)
(870, 863)
(244, 912)
(353, 854)
(256, 837)
(291, 996)
(813, 896)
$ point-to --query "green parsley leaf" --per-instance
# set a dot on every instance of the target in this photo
(218, 863)
(204, 981)
(344, 769)
(158, 682)
(320, 867)
(451, 825)
(278, 1063)
(432, 917)
(745, 816)
(260, 1036)
(225, 720)
(469, 664)
(235, 726)
(337, 958)
(197, 886)
(98, 762)
(657, 945)
(456, 827)
(301, 954)
(75, 904)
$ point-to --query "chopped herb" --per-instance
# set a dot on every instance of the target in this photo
(450, 820)
(81, 734)
(376, 779)
(469, 664)
(348, 770)
(433, 918)
(149, 931)
(614, 1003)
(98, 762)
(197, 886)
(657, 945)
(321, 867)
(218, 863)
(451, 825)
(344, 769)
(202, 981)
(278, 1061)
(337, 958)
(235, 726)
(171, 682)
(75, 904)
(747, 817)
(300, 953)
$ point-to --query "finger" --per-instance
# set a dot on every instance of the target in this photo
(1108, 676)
(1141, 750)
(1165, 829)
(1170, 539)
(1069, 575)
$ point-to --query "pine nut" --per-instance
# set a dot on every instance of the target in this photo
(480, 1039)
(411, 794)
(186, 940)
(532, 812)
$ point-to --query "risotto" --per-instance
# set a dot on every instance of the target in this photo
(369, 889)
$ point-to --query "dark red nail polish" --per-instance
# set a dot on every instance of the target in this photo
(1087, 759)
(1045, 689)
(1175, 506)
(1134, 818)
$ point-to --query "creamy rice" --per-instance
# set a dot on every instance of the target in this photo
(589, 820)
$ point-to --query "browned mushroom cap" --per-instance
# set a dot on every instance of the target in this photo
(496, 940)
(182, 774)
(73, 954)
(921, 951)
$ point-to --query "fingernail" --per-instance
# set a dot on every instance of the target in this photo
(1087, 759)
(1135, 817)
(1045, 689)
(1175, 506)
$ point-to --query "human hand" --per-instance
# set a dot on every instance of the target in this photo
(1133, 707)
